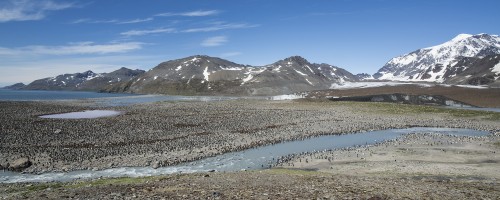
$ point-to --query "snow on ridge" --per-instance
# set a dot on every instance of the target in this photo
(463, 36)
(300, 72)
(231, 68)
(246, 79)
(309, 69)
(279, 68)
(93, 76)
(309, 82)
(206, 73)
(354, 85)
(357, 85)
(195, 59)
(250, 74)
(496, 68)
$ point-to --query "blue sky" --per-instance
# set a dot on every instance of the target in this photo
(42, 38)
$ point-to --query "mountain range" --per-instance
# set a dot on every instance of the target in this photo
(466, 59)
(85, 81)
(209, 75)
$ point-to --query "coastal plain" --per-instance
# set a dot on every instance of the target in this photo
(168, 133)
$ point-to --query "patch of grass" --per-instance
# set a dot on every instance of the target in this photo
(293, 171)
(39, 187)
(497, 144)
(394, 108)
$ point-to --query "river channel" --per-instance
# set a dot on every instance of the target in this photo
(251, 159)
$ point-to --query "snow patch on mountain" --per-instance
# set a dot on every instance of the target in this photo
(206, 73)
(299, 72)
(496, 69)
(354, 85)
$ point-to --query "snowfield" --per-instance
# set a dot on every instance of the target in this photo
(355, 85)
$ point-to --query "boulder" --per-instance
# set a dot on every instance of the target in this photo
(20, 164)
(156, 165)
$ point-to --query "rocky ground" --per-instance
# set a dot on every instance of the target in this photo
(265, 184)
(428, 154)
(167, 133)
(418, 166)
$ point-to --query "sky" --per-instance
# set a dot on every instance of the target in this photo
(45, 38)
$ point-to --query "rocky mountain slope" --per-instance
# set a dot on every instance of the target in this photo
(83, 81)
(204, 75)
(453, 61)
(15, 86)
(475, 71)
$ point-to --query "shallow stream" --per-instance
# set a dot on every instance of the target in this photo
(257, 158)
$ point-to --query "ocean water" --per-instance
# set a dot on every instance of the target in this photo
(107, 99)
(41, 95)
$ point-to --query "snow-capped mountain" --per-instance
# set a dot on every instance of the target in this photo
(211, 76)
(83, 81)
(435, 64)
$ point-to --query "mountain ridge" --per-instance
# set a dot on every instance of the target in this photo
(84, 81)
(205, 75)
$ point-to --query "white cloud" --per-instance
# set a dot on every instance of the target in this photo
(214, 41)
(73, 48)
(80, 21)
(217, 27)
(230, 54)
(134, 21)
(29, 10)
(111, 21)
(146, 32)
(198, 13)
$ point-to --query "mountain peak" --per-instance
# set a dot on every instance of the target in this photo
(461, 36)
(297, 59)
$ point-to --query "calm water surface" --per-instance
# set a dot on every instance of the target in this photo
(40, 95)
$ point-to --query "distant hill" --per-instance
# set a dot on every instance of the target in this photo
(87, 81)
(16, 86)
